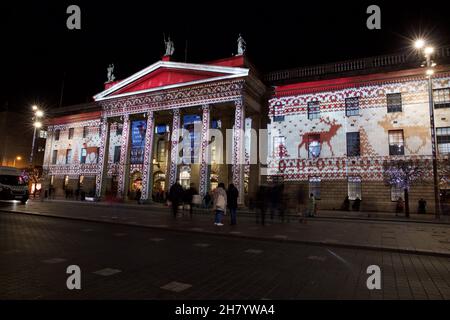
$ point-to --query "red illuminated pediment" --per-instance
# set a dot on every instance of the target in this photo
(168, 75)
(164, 77)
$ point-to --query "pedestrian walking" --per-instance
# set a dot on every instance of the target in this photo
(219, 203)
(232, 197)
(190, 193)
(175, 197)
(138, 196)
(346, 204)
(312, 205)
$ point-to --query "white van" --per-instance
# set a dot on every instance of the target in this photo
(12, 185)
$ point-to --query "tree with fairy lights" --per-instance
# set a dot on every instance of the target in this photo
(403, 174)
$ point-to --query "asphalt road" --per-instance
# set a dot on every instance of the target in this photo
(162, 264)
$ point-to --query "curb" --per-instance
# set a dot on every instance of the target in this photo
(306, 242)
(250, 213)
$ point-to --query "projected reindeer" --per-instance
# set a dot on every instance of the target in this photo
(325, 136)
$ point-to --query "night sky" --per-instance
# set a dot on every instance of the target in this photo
(38, 51)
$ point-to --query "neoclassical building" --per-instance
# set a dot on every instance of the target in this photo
(130, 137)
(325, 130)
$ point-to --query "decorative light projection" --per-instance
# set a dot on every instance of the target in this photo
(138, 129)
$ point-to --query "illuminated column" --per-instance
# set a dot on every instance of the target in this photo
(147, 175)
(204, 156)
(102, 157)
(238, 149)
(174, 147)
(124, 170)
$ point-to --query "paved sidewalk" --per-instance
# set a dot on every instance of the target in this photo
(323, 214)
(415, 238)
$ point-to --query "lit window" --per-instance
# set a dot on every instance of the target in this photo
(54, 156)
(441, 98)
(352, 106)
(68, 156)
(443, 140)
(83, 155)
(278, 118)
(313, 145)
(394, 102)
(396, 143)
(313, 110)
(354, 188)
(43, 134)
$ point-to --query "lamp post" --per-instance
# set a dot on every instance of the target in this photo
(18, 158)
(427, 51)
(36, 124)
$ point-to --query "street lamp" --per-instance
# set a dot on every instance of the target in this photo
(18, 158)
(427, 51)
(37, 125)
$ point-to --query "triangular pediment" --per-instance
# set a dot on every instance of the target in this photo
(167, 75)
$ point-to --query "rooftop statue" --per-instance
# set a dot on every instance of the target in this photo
(111, 76)
(241, 45)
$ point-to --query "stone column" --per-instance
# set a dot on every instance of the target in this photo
(102, 157)
(124, 169)
(174, 152)
(204, 155)
(238, 149)
(147, 174)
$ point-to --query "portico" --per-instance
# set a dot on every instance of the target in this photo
(174, 119)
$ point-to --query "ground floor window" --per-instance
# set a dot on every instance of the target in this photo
(396, 193)
(354, 188)
(314, 186)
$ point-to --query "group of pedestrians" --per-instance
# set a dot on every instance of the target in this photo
(221, 200)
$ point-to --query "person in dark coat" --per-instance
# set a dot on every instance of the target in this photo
(356, 204)
(189, 195)
(176, 197)
(232, 197)
(262, 202)
(346, 204)
(138, 196)
(422, 206)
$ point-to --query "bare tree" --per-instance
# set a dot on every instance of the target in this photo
(405, 173)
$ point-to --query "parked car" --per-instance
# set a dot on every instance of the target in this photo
(12, 185)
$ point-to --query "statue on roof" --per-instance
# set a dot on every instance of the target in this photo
(111, 76)
(170, 47)
(242, 45)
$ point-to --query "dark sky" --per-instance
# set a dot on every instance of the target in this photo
(38, 51)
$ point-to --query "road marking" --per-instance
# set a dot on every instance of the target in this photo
(202, 245)
(87, 230)
(339, 258)
(280, 236)
(176, 286)
(156, 239)
(107, 272)
(235, 232)
(255, 251)
(54, 260)
(119, 234)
